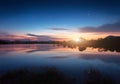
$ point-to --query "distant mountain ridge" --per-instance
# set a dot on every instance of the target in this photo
(112, 37)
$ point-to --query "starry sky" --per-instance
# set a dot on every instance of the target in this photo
(59, 19)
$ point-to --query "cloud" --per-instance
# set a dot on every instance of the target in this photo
(27, 37)
(59, 29)
(8, 36)
(114, 27)
(43, 37)
(5, 34)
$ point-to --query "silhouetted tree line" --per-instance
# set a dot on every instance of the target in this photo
(111, 43)
(28, 42)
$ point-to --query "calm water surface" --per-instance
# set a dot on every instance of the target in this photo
(70, 61)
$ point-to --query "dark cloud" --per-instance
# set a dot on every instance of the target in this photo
(58, 28)
(43, 37)
(115, 27)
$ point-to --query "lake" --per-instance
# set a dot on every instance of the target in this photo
(70, 61)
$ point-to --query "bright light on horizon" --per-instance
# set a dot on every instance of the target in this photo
(76, 40)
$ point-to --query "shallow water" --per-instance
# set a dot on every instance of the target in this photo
(70, 61)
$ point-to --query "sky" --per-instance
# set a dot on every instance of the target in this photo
(59, 19)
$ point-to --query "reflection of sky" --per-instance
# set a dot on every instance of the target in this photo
(65, 59)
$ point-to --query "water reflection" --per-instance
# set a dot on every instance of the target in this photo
(82, 48)
(31, 48)
(72, 61)
(61, 52)
(100, 48)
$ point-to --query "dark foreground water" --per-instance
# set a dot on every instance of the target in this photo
(71, 62)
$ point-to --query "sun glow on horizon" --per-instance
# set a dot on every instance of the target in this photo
(76, 39)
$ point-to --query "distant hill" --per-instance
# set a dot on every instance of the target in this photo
(112, 37)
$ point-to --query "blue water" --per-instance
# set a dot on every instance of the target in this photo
(70, 61)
